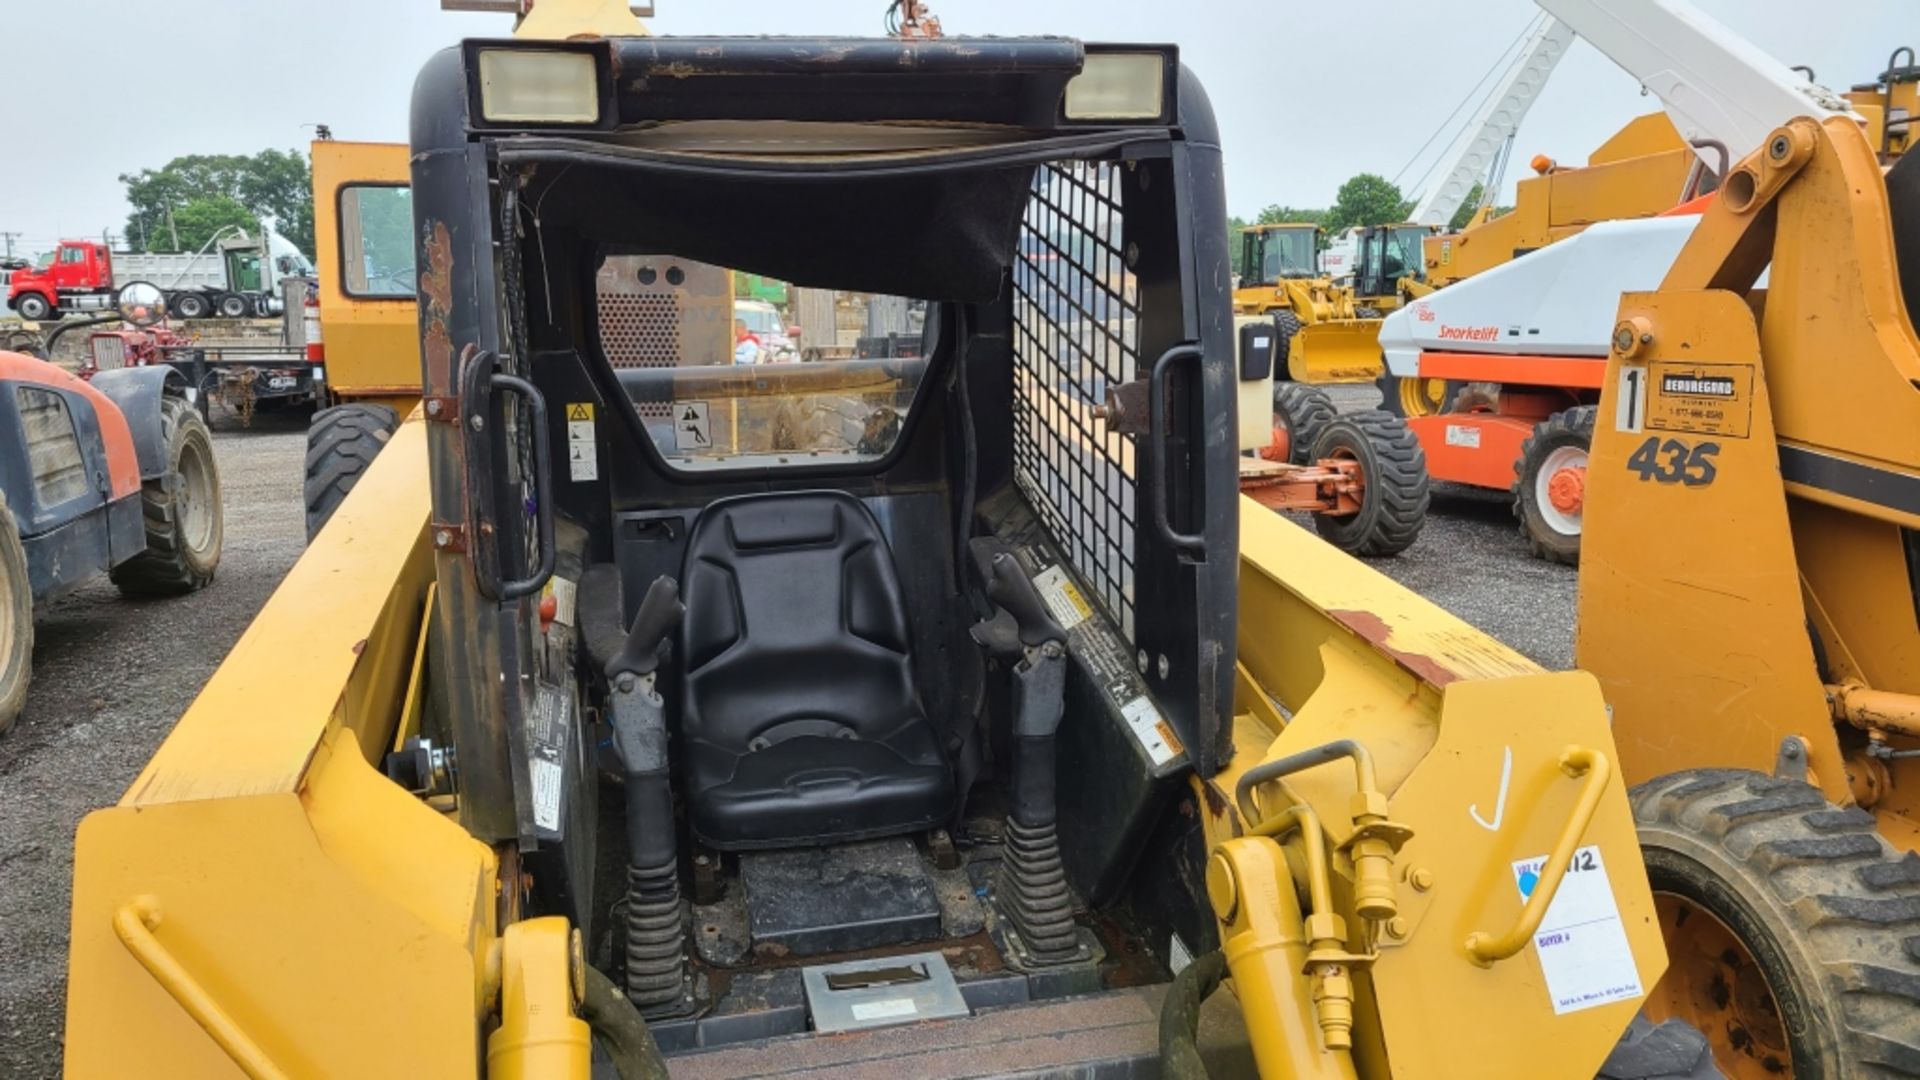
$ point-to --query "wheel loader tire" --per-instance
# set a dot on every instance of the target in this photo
(182, 509)
(1285, 325)
(341, 442)
(1674, 1050)
(1550, 481)
(1793, 928)
(1300, 413)
(1411, 397)
(32, 307)
(1393, 504)
(16, 621)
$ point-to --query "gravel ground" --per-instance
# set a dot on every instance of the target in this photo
(110, 678)
(1471, 560)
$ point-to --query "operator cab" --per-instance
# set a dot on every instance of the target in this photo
(1270, 254)
(905, 652)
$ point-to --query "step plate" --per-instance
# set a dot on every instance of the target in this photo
(861, 994)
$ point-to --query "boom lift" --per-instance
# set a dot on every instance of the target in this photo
(790, 708)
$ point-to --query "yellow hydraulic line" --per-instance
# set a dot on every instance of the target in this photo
(135, 923)
(1483, 949)
(1319, 878)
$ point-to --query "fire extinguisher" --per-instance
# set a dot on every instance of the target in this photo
(310, 318)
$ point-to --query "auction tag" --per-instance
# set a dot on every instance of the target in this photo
(1582, 944)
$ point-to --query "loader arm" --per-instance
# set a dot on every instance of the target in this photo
(261, 887)
(1494, 766)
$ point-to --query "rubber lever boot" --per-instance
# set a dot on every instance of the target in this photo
(1031, 893)
(656, 926)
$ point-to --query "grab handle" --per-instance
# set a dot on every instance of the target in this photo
(135, 923)
(1193, 544)
(1575, 761)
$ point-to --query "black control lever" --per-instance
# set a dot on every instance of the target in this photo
(1020, 620)
(660, 612)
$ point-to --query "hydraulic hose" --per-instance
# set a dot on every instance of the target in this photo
(620, 1028)
(1180, 1017)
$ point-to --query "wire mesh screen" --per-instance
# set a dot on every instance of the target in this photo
(1076, 319)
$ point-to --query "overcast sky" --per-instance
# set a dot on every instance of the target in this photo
(1307, 93)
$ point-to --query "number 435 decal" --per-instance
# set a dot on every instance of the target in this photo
(1675, 462)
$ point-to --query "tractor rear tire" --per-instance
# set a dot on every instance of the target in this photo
(1411, 397)
(32, 307)
(1549, 487)
(16, 621)
(341, 443)
(1285, 326)
(1300, 412)
(1793, 927)
(186, 526)
(1393, 504)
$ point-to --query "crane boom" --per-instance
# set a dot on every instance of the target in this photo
(1469, 158)
(1715, 85)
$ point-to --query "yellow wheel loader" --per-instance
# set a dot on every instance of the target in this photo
(1747, 600)
(929, 715)
(1323, 337)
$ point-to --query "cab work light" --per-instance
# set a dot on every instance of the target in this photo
(1119, 86)
(539, 86)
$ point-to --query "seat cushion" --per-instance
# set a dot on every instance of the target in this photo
(799, 715)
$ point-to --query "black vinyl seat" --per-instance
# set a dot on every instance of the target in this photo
(800, 719)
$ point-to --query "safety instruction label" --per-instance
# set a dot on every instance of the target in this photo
(583, 449)
(1708, 399)
(548, 725)
(1152, 729)
(1062, 597)
(1463, 435)
(1582, 944)
(692, 426)
(565, 594)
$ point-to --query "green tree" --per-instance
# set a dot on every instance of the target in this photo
(273, 183)
(197, 220)
(1366, 199)
(1275, 214)
(1467, 209)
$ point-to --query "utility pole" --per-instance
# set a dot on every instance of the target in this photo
(9, 238)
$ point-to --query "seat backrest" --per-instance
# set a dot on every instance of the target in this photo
(1903, 201)
(795, 623)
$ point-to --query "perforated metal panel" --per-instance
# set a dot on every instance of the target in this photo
(662, 311)
(1076, 318)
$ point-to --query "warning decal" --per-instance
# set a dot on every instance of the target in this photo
(1710, 399)
(1062, 597)
(692, 430)
(583, 449)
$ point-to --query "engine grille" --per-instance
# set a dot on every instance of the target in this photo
(53, 449)
(661, 311)
(1076, 333)
(109, 352)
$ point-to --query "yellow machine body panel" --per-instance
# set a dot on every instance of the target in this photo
(1753, 510)
(372, 343)
(260, 859)
(1639, 172)
(1457, 725)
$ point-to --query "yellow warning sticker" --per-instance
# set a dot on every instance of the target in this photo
(1710, 399)
(580, 410)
